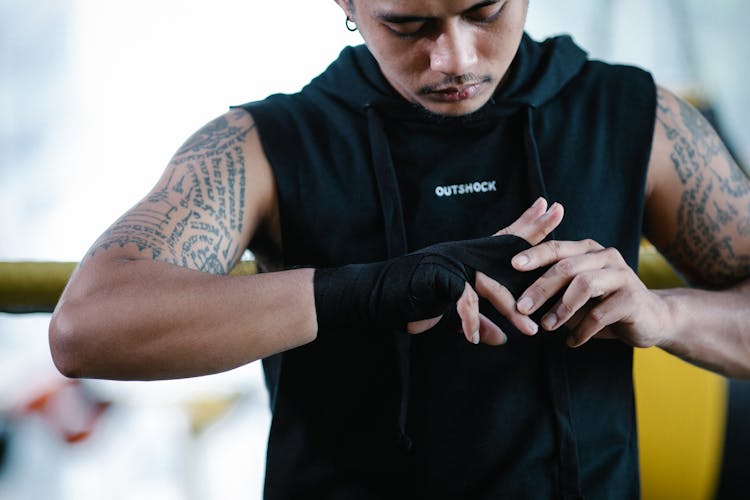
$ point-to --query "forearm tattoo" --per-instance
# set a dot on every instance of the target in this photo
(194, 219)
(713, 218)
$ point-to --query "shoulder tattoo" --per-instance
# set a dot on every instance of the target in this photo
(713, 218)
(192, 220)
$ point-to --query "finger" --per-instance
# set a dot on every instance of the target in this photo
(575, 321)
(504, 302)
(535, 224)
(490, 333)
(582, 289)
(536, 210)
(468, 310)
(597, 320)
(561, 274)
(605, 333)
(544, 225)
(550, 252)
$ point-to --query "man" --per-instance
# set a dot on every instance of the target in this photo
(373, 193)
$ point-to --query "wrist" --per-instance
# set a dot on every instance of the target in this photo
(673, 317)
(339, 301)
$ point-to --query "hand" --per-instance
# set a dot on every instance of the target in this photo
(602, 295)
(533, 226)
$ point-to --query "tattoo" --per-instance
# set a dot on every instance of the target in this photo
(713, 215)
(743, 226)
(194, 218)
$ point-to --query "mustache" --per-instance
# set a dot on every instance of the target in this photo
(455, 81)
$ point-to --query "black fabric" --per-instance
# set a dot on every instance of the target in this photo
(733, 479)
(424, 284)
(484, 422)
(4, 442)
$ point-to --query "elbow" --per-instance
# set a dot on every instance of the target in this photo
(66, 342)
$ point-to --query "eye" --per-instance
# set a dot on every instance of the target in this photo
(406, 29)
(486, 14)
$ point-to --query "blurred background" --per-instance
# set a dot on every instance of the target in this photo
(94, 99)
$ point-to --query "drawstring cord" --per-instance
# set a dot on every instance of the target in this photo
(555, 350)
(396, 244)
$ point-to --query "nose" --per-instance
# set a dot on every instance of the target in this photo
(453, 51)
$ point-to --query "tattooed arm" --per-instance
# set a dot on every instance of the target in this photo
(698, 215)
(151, 299)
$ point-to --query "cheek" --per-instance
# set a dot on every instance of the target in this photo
(500, 53)
(501, 48)
(402, 64)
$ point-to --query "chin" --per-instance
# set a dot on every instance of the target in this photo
(455, 109)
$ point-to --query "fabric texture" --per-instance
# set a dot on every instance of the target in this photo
(376, 413)
(421, 285)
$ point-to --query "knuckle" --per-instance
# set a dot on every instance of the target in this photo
(565, 268)
(630, 296)
(565, 309)
(593, 244)
(539, 292)
(584, 282)
(556, 249)
(597, 316)
(463, 308)
(612, 253)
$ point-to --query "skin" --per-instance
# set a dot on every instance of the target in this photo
(426, 49)
(151, 299)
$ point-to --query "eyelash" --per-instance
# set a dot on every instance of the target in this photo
(413, 34)
(492, 17)
(410, 34)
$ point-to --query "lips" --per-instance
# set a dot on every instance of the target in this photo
(456, 93)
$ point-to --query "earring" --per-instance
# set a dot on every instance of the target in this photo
(350, 25)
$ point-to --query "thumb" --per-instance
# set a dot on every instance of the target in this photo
(435, 288)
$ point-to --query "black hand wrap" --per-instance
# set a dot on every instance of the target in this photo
(423, 284)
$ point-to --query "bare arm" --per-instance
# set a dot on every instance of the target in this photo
(698, 215)
(152, 300)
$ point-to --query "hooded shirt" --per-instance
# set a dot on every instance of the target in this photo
(363, 175)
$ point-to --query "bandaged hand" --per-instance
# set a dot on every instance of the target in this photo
(413, 292)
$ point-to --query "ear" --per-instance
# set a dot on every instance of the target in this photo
(344, 4)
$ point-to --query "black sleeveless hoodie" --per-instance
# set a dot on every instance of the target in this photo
(362, 175)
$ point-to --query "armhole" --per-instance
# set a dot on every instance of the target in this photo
(274, 135)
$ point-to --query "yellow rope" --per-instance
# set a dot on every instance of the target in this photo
(28, 287)
(31, 287)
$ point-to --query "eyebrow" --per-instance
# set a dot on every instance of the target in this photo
(404, 19)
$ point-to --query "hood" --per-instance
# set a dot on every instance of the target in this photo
(539, 72)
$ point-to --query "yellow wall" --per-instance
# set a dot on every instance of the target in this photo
(681, 411)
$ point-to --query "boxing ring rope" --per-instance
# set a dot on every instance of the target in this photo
(35, 287)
